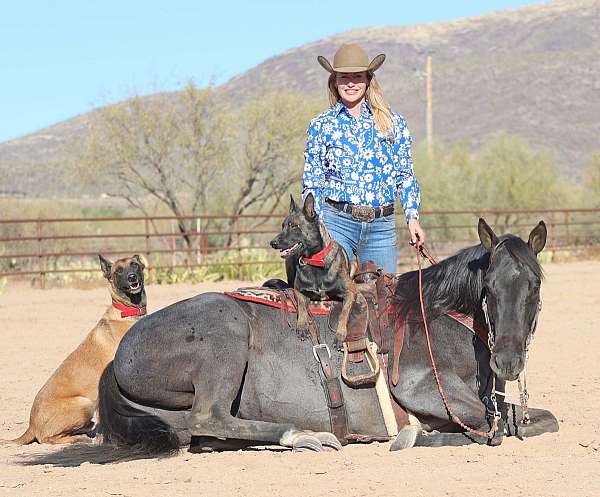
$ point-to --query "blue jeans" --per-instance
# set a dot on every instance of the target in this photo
(375, 241)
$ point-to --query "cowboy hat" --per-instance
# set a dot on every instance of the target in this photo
(351, 58)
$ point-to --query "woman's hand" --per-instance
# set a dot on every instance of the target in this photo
(417, 235)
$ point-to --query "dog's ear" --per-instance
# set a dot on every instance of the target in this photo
(486, 235)
(106, 266)
(138, 259)
(293, 206)
(309, 207)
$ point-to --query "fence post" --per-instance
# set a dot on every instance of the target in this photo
(41, 258)
(239, 248)
(567, 228)
(172, 244)
(198, 242)
(147, 233)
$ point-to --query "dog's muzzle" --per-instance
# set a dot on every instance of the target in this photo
(290, 250)
(135, 285)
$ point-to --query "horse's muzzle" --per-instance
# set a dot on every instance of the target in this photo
(507, 365)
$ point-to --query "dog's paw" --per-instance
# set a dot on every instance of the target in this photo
(338, 341)
(302, 332)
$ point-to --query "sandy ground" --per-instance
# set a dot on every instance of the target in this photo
(39, 328)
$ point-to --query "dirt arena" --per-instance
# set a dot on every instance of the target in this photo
(39, 328)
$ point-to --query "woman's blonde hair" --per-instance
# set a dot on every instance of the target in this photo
(374, 97)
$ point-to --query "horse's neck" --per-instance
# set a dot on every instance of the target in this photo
(461, 288)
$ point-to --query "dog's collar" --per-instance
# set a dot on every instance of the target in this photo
(318, 259)
(128, 310)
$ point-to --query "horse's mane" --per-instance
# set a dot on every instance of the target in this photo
(456, 283)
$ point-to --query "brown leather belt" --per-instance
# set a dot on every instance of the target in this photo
(362, 212)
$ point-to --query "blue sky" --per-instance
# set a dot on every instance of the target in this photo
(61, 58)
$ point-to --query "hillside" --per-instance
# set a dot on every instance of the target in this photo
(532, 71)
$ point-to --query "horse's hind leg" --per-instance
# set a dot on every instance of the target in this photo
(217, 383)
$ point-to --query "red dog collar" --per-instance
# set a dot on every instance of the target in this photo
(127, 311)
(318, 259)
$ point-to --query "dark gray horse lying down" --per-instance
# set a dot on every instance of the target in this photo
(224, 373)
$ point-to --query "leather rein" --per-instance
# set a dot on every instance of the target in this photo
(422, 253)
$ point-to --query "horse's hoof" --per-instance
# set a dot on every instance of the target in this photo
(542, 421)
(304, 442)
(301, 441)
(406, 438)
(328, 440)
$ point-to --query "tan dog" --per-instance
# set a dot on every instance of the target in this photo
(63, 409)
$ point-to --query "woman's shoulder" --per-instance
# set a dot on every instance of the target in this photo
(398, 120)
(316, 123)
(325, 115)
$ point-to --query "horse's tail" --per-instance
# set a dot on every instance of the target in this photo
(25, 439)
(126, 426)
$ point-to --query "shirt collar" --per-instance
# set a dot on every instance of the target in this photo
(365, 108)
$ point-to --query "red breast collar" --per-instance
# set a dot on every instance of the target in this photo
(127, 310)
(318, 259)
(474, 326)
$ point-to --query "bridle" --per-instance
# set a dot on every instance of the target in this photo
(523, 392)
(421, 253)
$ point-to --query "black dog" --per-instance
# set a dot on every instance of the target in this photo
(317, 266)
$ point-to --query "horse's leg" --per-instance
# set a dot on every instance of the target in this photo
(217, 422)
(217, 382)
(541, 421)
(415, 436)
(418, 391)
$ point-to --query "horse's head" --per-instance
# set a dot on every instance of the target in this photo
(512, 295)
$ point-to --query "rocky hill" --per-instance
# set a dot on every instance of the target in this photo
(532, 71)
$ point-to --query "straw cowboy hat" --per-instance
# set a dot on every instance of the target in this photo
(351, 58)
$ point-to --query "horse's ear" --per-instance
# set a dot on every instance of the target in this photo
(309, 206)
(486, 235)
(537, 237)
(293, 206)
(106, 266)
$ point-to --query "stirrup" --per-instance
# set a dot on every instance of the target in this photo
(364, 378)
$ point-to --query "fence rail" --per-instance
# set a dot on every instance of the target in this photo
(40, 248)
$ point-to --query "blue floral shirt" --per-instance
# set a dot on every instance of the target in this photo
(348, 160)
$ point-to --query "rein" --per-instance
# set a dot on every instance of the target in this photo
(424, 253)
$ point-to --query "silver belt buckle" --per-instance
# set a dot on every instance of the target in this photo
(363, 213)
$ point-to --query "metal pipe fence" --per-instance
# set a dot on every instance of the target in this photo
(40, 248)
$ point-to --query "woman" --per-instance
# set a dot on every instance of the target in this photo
(358, 157)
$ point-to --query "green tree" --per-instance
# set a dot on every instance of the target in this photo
(164, 148)
(591, 181)
(510, 175)
(266, 161)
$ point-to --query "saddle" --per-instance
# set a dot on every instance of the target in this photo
(365, 350)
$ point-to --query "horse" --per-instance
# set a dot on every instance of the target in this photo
(227, 374)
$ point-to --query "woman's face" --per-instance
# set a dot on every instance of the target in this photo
(352, 86)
